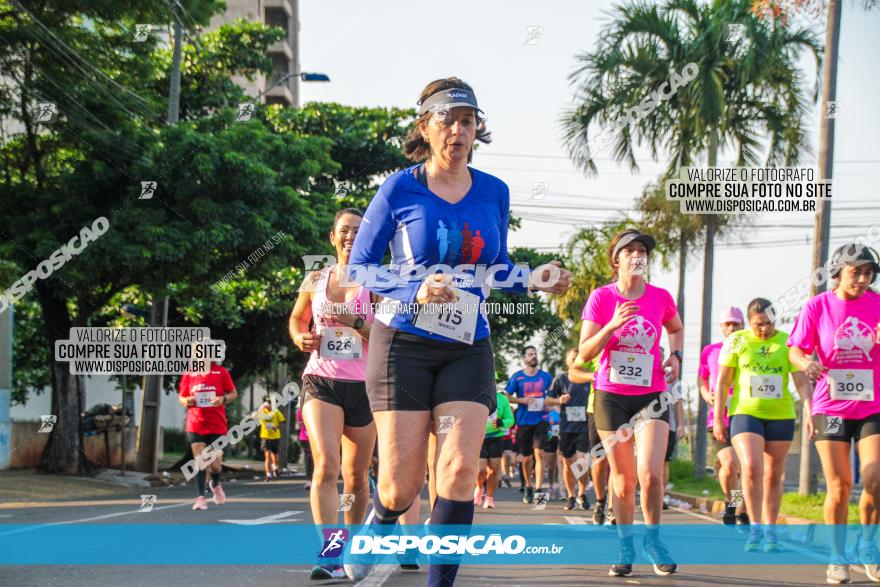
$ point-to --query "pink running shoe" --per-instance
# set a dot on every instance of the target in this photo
(478, 496)
(219, 496)
(201, 503)
(489, 503)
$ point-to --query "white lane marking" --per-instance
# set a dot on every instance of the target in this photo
(117, 514)
(378, 576)
(273, 519)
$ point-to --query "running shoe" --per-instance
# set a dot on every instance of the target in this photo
(584, 502)
(268, 478)
(837, 574)
(666, 501)
(625, 558)
(478, 495)
(201, 503)
(742, 523)
(219, 496)
(771, 541)
(529, 496)
(754, 541)
(655, 551)
(870, 559)
(506, 481)
(610, 520)
(599, 514)
(729, 516)
(489, 503)
(324, 572)
(356, 572)
(308, 486)
(570, 505)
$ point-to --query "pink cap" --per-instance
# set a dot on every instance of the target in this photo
(731, 314)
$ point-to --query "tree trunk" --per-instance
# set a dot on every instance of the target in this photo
(682, 271)
(706, 318)
(807, 478)
(64, 451)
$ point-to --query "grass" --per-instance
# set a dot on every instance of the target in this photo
(802, 506)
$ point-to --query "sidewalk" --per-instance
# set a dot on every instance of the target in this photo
(28, 485)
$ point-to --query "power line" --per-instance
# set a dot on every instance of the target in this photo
(562, 157)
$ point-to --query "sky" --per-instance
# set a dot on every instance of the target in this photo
(384, 53)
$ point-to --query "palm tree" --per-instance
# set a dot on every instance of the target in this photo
(777, 11)
(748, 96)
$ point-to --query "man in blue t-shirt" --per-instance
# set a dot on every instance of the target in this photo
(572, 399)
(527, 390)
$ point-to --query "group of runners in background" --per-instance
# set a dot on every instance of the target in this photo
(389, 380)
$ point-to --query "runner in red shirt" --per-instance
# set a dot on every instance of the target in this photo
(205, 395)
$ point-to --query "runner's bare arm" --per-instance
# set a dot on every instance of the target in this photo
(298, 325)
(725, 377)
(811, 368)
(579, 374)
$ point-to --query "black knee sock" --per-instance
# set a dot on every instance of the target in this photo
(446, 512)
(384, 516)
(215, 478)
(200, 481)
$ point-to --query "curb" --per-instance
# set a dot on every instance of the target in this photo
(716, 506)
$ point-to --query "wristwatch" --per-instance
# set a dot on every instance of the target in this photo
(679, 355)
(358, 324)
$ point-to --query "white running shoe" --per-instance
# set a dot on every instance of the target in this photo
(357, 572)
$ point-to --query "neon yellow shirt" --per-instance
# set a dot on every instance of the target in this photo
(753, 357)
(270, 424)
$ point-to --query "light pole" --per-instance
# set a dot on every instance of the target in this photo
(304, 76)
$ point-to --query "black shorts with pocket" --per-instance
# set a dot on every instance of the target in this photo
(351, 396)
(492, 448)
(530, 437)
(269, 444)
(593, 433)
(409, 372)
(670, 445)
(572, 442)
(613, 410)
(195, 437)
(844, 429)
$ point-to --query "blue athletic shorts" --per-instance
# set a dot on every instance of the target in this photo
(769, 429)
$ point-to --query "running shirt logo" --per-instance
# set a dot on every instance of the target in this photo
(334, 542)
(853, 341)
(456, 246)
(638, 333)
(833, 424)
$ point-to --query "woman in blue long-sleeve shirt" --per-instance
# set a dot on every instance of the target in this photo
(428, 367)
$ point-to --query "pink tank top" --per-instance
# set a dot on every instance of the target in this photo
(354, 370)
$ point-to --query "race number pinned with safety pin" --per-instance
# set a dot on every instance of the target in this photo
(851, 384)
(631, 368)
(765, 386)
(341, 343)
(457, 321)
(204, 398)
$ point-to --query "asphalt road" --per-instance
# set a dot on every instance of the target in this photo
(250, 500)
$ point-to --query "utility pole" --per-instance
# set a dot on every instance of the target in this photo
(808, 477)
(148, 437)
(6, 321)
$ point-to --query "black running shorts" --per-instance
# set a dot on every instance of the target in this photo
(844, 429)
(613, 410)
(351, 396)
(409, 372)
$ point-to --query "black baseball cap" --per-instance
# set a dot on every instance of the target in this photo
(856, 254)
(631, 236)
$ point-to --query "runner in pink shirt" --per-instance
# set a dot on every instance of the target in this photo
(334, 395)
(842, 327)
(726, 463)
(622, 323)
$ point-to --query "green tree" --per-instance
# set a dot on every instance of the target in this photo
(743, 95)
